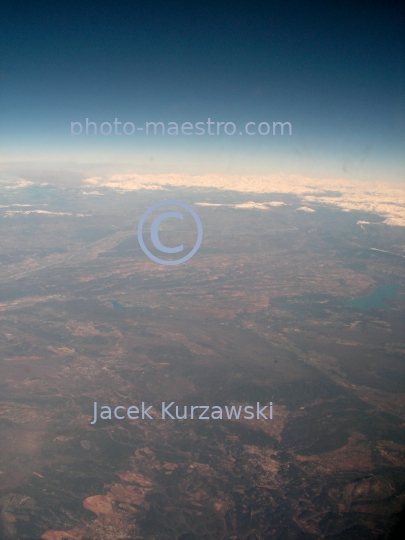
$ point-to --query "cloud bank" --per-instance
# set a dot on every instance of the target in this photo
(382, 198)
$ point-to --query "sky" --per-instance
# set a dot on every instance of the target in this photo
(334, 70)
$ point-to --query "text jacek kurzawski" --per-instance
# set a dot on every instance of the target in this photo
(171, 411)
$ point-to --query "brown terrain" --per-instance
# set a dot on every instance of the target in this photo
(259, 314)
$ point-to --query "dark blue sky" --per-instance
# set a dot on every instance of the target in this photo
(334, 70)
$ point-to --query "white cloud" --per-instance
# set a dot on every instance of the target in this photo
(276, 203)
(26, 212)
(19, 184)
(9, 205)
(246, 205)
(397, 221)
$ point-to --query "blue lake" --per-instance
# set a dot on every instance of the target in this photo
(376, 300)
(117, 305)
